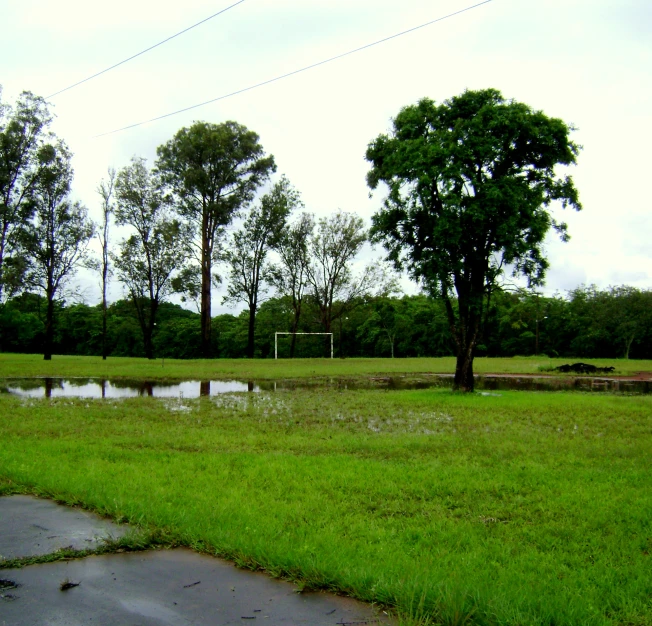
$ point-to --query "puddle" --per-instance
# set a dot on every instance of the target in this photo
(559, 383)
(99, 388)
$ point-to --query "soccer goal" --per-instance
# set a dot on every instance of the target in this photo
(277, 334)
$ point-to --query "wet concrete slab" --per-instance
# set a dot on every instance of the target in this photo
(154, 588)
(32, 527)
(172, 587)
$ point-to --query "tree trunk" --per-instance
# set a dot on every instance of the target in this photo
(2, 247)
(149, 329)
(628, 345)
(464, 371)
(340, 340)
(326, 323)
(49, 329)
(3, 240)
(295, 325)
(293, 341)
(252, 328)
(104, 330)
(205, 303)
(465, 329)
(105, 271)
(147, 341)
(468, 337)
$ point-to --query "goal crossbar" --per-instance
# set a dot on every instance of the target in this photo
(277, 334)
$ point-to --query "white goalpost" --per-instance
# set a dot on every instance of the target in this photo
(277, 334)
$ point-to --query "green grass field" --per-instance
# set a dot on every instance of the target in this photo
(518, 509)
(25, 365)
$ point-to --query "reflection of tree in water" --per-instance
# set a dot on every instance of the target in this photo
(485, 382)
(29, 384)
(78, 382)
(146, 388)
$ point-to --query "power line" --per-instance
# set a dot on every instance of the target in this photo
(160, 43)
(303, 69)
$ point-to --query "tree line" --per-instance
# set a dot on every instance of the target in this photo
(470, 185)
(585, 323)
(177, 213)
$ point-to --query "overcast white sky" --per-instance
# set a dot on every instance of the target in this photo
(587, 62)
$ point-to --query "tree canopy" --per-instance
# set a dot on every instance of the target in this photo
(471, 182)
(55, 241)
(23, 133)
(156, 250)
(290, 274)
(333, 248)
(249, 269)
(213, 171)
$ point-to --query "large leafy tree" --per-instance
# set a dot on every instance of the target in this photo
(247, 258)
(23, 133)
(471, 182)
(158, 248)
(213, 171)
(55, 240)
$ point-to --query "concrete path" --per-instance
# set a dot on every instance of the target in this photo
(161, 587)
(33, 527)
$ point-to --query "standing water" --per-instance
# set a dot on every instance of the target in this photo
(103, 388)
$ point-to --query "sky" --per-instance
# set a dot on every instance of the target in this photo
(586, 62)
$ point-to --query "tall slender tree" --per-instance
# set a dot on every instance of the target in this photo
(23, 132)
(290, 274)
(335, 287)
(55, 241)
(158, 248)
(105, 190)
(247, 258)
(213, 171)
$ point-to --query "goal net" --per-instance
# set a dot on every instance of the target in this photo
(276, 336)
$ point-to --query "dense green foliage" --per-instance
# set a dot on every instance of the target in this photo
(588, 323)
(457, 509)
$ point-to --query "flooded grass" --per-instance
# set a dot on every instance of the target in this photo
(125, 388)
(519, 508)
(33, 365)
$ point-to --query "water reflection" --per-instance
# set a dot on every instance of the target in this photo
(104, 388)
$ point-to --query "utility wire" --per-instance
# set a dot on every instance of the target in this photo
(303, 69)
(160, 43)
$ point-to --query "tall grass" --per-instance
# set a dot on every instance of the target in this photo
(520, 509)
